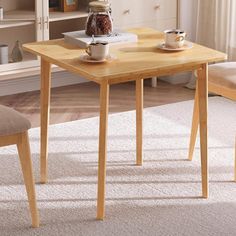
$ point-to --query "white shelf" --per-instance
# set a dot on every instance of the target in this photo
(58, 16)
(29, 16)
(19, 15)
(29, 60)
(13, 23)
(22, 15)
(31, 68)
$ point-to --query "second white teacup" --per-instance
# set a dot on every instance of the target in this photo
(98, 50)
(174, 38)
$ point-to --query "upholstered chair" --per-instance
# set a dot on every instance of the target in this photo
(14, 130)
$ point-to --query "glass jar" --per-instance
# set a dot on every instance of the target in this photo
(99, 22)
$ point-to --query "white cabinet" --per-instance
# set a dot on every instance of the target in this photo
(158, 14)
(19, 20)
(29, 21)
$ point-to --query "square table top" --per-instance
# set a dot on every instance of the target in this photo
(142, 59)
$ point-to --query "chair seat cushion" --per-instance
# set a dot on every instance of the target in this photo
(223, 74)
(12, 122)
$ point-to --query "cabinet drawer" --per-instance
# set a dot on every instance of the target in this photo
(163, 24)
(132, 11)
(126, 13)
(167, 9)
(160, 25)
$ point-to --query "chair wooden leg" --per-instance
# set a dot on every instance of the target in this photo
(154, 82)
(26, 165)
(195, 124)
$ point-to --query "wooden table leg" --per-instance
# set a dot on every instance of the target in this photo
(104, 103)
(139, 121)
(45, 109)
(235, 161)
(203, 109)
(195, 124)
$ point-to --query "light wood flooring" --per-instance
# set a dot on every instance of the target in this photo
(82, 100)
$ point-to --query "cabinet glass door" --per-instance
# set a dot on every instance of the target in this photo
(20, 23)
(59, 18)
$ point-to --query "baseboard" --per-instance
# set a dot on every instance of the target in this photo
(32, 83)
(180, 78)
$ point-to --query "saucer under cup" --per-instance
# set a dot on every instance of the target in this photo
(187, 45)
(86, 58)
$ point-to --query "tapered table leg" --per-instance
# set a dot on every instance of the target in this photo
(195, 124)
(203, 110)
(104, 103)
(139, 121)
(235, 161)
(45, 109)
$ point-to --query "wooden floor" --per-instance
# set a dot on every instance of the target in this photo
(82, 100)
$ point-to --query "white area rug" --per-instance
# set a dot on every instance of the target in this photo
(160, 198)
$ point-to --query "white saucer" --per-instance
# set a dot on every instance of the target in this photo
(186, 46)
(87, 58)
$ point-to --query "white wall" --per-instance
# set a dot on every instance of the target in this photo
(187, 17)
(187, 22)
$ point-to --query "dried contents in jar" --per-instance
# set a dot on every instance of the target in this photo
(99, 22)
(98, 25)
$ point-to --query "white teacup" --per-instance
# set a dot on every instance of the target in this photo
(98, 50)
(174, 38)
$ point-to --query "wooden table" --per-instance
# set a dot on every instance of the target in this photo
(135, 62)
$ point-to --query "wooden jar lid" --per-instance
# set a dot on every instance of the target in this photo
(98, 6)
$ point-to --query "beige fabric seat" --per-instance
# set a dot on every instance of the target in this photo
(12, 122)
(222, 79)
(14, 130)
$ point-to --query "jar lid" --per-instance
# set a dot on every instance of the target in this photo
(99, 6)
